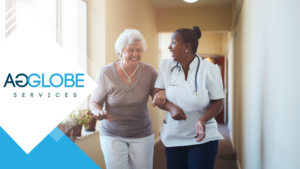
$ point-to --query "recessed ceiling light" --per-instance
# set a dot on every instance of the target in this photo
(190, 1)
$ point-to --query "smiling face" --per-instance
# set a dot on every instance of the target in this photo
(177, 47)
(132, 54)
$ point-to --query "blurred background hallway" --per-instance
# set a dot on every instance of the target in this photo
(256, 44)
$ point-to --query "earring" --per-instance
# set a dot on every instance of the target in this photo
(186, 50)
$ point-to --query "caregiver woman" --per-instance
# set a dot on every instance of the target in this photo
(195, 95)
(126, 133)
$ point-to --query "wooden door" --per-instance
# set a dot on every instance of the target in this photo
(221, 63)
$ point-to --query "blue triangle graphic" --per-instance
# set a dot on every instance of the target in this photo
(49, 154)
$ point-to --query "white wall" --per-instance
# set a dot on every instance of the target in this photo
(280, 135)
(267, 83)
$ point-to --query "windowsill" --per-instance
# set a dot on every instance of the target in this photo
(85, 135)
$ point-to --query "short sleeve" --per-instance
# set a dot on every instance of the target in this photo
(214, 83)
(153, 78)
(99, 94)
(160, 83)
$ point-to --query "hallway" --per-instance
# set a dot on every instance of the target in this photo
(259, 41)
(159, 160)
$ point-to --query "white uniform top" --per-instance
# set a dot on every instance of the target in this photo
(209, 87)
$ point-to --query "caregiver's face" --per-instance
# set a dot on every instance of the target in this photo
(132, 54)
(176, 47)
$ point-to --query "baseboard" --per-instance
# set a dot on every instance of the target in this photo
(157, 140)
(231, 139)
(238, 164)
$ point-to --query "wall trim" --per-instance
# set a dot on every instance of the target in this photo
(231, 139)
(157, 140)
(235, 22)
(237, 15)
(238, 164)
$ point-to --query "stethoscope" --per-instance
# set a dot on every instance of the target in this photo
(179, 69)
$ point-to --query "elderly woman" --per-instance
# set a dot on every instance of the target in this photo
(126, 132)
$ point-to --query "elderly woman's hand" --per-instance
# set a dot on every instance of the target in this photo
(102, 115)
(159, 99)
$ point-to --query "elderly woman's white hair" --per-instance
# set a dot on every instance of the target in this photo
(128, 37)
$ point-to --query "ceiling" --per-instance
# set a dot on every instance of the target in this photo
(181, 4)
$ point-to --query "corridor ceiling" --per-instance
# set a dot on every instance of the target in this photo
(161, 4)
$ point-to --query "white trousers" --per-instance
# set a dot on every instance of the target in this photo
(120, 153)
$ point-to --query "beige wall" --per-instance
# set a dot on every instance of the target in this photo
(96, 36)
(225, 38)
(90, 145)
(207, 18)
(129, 14)
(210, 43)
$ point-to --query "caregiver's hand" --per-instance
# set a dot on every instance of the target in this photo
(102, 115)
(159, 99)
(177, 113)
(200, 130)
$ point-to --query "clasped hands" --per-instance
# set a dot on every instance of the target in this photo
(176, 113)
(158, 100)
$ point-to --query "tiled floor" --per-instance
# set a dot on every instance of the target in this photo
(159, 161)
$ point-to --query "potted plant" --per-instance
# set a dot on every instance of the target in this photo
(90, 126)
(66, 127)
(72, 125)
(61, 126)
(84, 118)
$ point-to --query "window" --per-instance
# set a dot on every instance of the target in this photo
(164, 42)
(2, 20)
(44, 12)
(73, 39)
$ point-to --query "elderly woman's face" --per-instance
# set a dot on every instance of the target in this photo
(132, 54)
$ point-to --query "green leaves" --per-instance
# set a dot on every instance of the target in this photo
(80, 117)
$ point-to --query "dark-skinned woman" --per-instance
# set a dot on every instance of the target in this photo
(195, 95)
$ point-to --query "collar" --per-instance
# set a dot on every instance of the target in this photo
(193, 65)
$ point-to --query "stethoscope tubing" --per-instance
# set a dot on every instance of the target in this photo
(179, 69)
